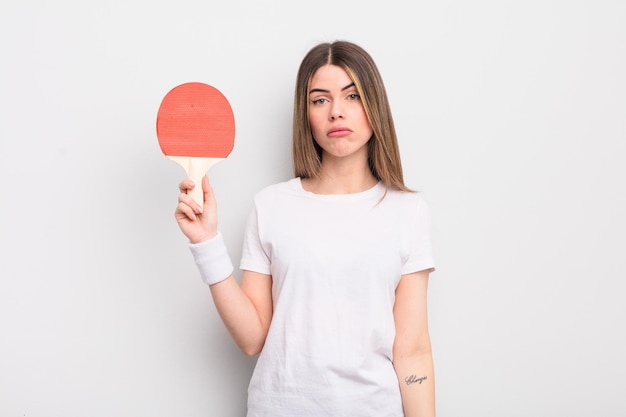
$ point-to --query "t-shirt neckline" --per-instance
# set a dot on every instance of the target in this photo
(376, 191)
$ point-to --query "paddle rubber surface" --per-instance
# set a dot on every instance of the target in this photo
(195, 120)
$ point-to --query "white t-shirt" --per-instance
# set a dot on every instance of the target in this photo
(335, 262)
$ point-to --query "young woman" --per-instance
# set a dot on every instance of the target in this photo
(335, 262)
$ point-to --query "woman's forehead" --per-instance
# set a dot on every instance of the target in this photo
(330, 77)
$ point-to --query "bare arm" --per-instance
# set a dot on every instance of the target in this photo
(412, 354)
(245, 309)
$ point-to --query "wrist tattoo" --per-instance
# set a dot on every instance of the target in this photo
(412, 379)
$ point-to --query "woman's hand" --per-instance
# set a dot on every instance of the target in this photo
(197, 223)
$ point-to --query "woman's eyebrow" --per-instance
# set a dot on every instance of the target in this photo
(321, 90)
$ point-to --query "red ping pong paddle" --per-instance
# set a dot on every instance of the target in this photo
(196, 129)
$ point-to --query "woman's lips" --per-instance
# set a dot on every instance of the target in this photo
(339, 132)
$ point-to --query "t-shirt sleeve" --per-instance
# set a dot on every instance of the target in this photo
(420, 253)
(253, 255)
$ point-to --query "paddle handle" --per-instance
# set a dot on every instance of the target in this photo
(196, 168)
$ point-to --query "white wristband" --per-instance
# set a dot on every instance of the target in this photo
(212, 259)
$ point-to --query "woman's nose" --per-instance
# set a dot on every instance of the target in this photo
(336, 112)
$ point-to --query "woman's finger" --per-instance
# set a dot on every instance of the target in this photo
(186, 199)
(209, 197)
(185, 185)
(187, 211)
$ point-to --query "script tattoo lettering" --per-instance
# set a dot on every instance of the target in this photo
(412, 379)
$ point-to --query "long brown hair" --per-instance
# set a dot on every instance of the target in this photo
(383, 151)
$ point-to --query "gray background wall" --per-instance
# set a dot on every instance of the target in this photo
(511, 121)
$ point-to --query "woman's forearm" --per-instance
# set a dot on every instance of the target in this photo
(239, 315)
(417, 384)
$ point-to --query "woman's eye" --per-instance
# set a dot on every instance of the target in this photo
(354, 96)
(319, 101)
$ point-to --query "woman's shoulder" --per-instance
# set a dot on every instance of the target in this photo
(407, 197)
(275, 189)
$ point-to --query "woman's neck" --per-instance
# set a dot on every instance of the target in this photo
(346, 180)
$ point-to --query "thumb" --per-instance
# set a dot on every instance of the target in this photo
(209, 195)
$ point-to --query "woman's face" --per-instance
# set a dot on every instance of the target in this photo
(336, 114)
